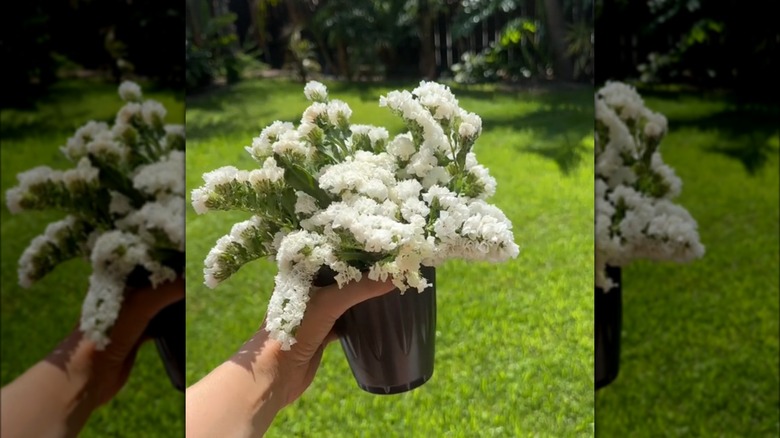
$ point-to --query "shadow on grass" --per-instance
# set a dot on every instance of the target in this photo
(560, 128)
(745, 125)
(745, 131)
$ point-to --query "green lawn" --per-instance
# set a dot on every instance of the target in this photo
(700, 341)
(514, 341)
(35, 320)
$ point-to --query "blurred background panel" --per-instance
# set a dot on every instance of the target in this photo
(700, 342)
(63, 62)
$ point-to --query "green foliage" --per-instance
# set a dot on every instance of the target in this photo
(35, 320)
(579, 40)
(303, 56)
(363, 37)
(707, 44)
(700, 347)
(518, 54)
(525, 369)
(215, 52)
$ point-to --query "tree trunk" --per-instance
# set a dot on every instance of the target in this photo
(557, 32)
(343, 60)
(427, 48)
(258, 13)
(193, 23)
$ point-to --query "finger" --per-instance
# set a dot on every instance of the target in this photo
(328, 304)
(140, 306)
(337, 301)
(146, 302)
(330, 337)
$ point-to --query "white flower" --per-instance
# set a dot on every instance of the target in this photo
(120, 204)
(129, 91)
(354, 199)
(635, 218)
(315, 92)
(338, 112)
(125, 195)
(153, 112)
(401, 147)
(162, 177)
(261, 147)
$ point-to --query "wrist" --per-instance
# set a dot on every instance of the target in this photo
(83, 376)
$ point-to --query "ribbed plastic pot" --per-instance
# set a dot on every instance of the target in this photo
(607, 323)
(390, 340)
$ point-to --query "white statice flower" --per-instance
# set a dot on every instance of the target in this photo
(438, 99)
(290, 143)
(223, 175)
(261, 147)
(305, 204)
(162, 177)
(83, 174)
(62, 239)
(76, 147)
(402, 147)
(350, 198)
(315, 92)
(107, 149)
(158, 217)
(130, 91)
(153, 113)
(125, 204)
(120, 204)
(131, 112)
(338, 112)
(635, 218)
(270, 172)
(364, 173)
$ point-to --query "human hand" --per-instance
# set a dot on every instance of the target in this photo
(241, 397)
(106, 371)
(296, 368)
(56, 395)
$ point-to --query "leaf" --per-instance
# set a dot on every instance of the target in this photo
(298, 178)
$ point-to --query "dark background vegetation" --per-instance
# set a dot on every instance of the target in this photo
(468, 40)
(45, 40)
(726, 44)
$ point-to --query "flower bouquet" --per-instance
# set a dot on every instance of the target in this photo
(635, 216)
(124, 205)
(332, 201)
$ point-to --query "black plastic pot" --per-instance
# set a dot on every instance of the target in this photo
(390, 340)
(169, 331)
(168, 328)
(607, 324)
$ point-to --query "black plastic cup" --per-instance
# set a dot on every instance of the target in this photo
(607, 324)
(390, 340)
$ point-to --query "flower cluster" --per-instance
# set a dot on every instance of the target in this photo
(635, 217)
(328, 193)
(124, 202)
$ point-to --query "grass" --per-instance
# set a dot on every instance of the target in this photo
(35, 320)
(700, 342)
(514, 341)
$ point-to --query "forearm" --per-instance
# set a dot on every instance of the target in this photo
(47, 401)
(239, 398)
